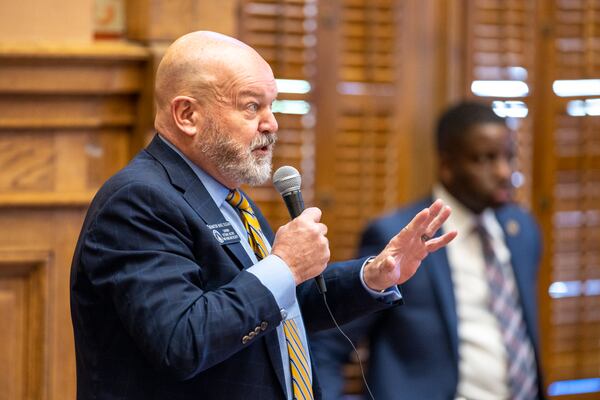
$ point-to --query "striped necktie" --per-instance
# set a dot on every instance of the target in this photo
(299, 368)
(505, 305)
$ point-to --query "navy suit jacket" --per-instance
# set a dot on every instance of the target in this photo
(160, 307)
(414, 349)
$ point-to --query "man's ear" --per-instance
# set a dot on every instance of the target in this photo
(184, 110)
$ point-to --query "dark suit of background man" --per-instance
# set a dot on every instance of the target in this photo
(446, 342)
(179, 289)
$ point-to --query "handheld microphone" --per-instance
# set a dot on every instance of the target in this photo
(287, 181)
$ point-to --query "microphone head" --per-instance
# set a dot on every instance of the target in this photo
(286, 180)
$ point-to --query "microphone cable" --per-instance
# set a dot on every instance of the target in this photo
(287, 181)
(362, 371)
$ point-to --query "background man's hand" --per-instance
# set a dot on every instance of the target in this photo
(302, 244)
(404, 253)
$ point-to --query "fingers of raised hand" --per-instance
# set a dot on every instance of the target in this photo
(437, 221)
(438, 214)
(435, 208)
(425, 224)
(420, 231)
(427, 221)
(439, 242)
(418, 224)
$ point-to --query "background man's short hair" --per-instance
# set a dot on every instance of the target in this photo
(456, 121)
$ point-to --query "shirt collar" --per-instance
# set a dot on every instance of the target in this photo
(217, 191)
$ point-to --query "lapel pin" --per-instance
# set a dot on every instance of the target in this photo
(512, 227)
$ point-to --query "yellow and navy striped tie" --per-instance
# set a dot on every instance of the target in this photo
(299, 369)
(255, 237)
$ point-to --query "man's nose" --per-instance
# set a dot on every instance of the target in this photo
(503, 168)
(268, 123)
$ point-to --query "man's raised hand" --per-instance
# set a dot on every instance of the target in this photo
(403, 254)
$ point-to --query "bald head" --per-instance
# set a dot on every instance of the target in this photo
(214, 97)
(203, 65)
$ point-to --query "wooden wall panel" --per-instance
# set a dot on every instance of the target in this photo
(27, 163)
(149, 21)
(23, 302)
(47, 21)
(72, 112)
(68, 118)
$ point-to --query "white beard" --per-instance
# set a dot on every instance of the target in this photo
(233, 160)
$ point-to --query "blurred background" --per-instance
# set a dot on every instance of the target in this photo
(361, 83)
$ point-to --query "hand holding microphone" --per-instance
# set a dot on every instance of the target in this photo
(301, 243)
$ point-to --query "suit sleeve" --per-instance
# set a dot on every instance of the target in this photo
(346, 297)
(140, 253)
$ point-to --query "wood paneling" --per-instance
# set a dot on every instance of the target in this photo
(23, 307)
(166, 20)
(68, 116)
(46, 21)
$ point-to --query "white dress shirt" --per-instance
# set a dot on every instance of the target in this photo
(482, 355)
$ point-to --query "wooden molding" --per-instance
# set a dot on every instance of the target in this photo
(110, 50)
(46, 199)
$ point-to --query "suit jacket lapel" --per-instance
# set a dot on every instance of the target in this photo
(195, 193)
(197, 196)
(441, 279)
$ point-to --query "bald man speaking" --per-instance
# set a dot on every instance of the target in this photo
(179, 288)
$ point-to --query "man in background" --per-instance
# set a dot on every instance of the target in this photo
(179, 288)
(468, 329)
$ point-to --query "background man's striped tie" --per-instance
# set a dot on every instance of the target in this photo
(299, 368)
(504, 303)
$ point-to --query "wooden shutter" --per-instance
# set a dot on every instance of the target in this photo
(500, 47)
(553, 40)
(357, 118)
(569, 195)
(283, 32)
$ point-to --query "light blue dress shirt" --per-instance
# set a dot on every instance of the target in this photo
(272, 271)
